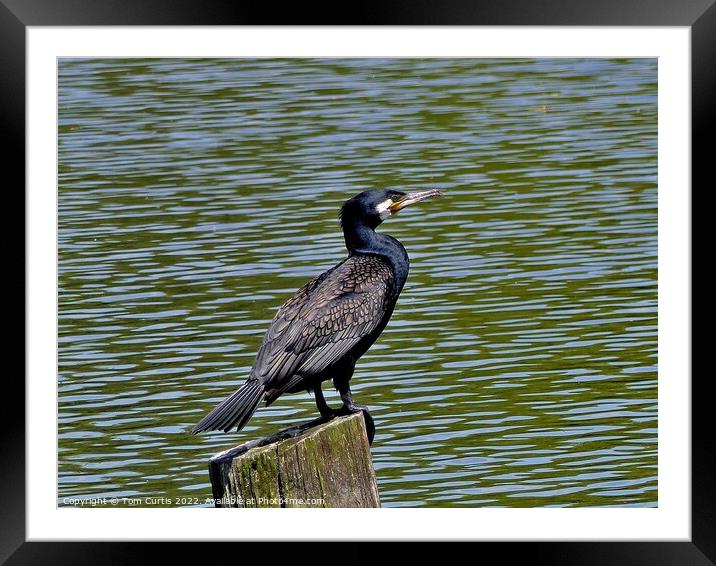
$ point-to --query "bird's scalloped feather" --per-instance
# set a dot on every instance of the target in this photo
(323, 321)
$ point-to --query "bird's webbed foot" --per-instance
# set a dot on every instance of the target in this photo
(349, 408)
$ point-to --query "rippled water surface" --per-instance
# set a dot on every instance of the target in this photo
(520, 366)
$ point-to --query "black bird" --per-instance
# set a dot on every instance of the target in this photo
(320, 332)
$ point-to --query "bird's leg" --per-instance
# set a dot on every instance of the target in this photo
(323, 408)
(350, 407)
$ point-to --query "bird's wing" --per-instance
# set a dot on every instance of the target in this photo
(324, 320)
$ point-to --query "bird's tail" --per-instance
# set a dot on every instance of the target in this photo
(234, 410)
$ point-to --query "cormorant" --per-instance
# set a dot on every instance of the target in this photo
(320, 332)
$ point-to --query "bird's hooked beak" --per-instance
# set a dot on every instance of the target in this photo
(412, 198)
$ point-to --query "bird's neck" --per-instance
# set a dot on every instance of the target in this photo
(362, 239)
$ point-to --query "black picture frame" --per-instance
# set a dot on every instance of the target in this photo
(699, 15)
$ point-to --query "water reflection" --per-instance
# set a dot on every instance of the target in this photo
(520, 366)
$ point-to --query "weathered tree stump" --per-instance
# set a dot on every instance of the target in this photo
(317, 464)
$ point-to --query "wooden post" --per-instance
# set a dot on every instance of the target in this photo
(317, 464)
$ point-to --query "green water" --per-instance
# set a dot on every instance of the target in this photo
(520, 365)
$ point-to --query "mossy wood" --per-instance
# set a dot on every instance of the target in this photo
(317, 464)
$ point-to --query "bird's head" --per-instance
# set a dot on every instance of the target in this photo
(372, 207)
